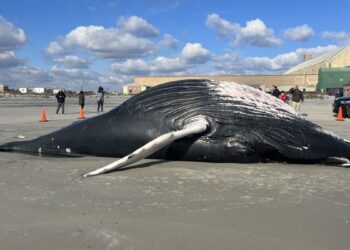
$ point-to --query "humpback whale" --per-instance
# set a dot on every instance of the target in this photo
(194, 120)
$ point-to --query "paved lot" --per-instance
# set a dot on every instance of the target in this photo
(46, 204)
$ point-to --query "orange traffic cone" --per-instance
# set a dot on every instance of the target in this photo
(81, 115)
(43, 116)
(340, 114)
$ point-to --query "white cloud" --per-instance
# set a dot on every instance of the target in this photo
(194, 53)
(56, 48)
(299, 33)
(220, 26)
(137, 26)
(71, 61)
(128, 40)
(17, 77)
(158, 66)
(108, 43)
(9, 59)
(11, 37)
(342, 37)
(168, 42)
(254, 33)
(316, 51)
(234, 63)
(88, 79)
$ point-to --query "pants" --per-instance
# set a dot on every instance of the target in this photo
(296, 106)
(99, 105)
(59, 105)
(82, 106)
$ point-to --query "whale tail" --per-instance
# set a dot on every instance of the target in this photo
(12, 146)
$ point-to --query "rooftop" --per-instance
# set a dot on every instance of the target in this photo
(323, 58)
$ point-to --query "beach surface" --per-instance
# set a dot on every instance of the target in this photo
(47, 204)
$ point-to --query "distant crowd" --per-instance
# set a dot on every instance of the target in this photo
(61, 97)
(296, 93)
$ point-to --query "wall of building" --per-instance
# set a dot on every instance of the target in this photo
(3, 88)
(264, 81)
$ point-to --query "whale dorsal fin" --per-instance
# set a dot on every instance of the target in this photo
(195, 127)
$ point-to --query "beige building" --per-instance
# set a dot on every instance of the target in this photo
(335, 59)
(304, 74)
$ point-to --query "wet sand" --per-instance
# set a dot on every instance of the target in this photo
(47, 204)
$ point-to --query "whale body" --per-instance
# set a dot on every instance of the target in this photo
(242, 124)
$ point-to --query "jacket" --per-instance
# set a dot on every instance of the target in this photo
(81, 99)
(100, 96)
(60, 96)
(297, 95)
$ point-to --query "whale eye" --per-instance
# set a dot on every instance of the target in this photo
(227, 131)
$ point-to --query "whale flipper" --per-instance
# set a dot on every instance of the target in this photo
(196, 127)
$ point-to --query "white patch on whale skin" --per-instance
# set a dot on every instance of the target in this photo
(250, 96)
(262, 103)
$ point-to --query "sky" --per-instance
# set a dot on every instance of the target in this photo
(84, 44)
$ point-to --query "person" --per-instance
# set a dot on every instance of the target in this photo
(61, 97)
(100, 99)
(275, 91)
(283, 96)
(297, 97)
(81, 99)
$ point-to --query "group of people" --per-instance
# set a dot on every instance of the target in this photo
(297, 96)
(61, 97)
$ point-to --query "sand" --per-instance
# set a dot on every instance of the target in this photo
(47, 204)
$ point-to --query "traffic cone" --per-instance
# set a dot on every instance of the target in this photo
(81, 115)
(340, 114)
(43, 116)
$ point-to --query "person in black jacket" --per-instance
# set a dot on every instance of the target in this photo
(297, 97)
(81, 99)
(61, 97)
(275, 91)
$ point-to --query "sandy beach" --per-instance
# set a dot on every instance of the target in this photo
(47, 204)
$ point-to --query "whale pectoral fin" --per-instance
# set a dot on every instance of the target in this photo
(338, 161)
(195, 127)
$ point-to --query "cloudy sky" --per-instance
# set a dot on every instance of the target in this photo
(75, 43)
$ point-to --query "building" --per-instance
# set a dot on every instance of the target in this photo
(55, 91)
(333, 80)
(133, 89)
(304, 74)
(3, 88)
(335, 59)
(23, 90)
(38, 90)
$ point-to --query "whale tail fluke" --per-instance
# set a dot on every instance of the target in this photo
(12, 146)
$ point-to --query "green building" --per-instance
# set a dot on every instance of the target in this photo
(332, 80)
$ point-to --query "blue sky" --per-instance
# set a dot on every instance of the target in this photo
(70, 43)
